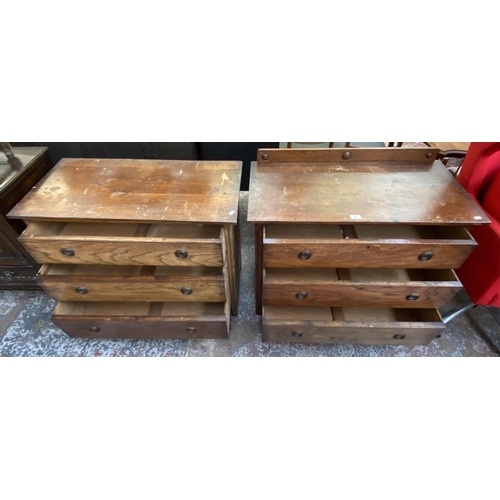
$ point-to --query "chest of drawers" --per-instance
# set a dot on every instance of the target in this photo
(19, 172)
(357, 246)
(137, 248)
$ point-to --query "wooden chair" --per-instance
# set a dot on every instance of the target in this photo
(451, 154)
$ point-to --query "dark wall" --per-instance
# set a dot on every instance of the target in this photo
(243, 151)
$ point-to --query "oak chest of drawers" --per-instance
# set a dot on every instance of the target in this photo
(357, 246)
(137, 248)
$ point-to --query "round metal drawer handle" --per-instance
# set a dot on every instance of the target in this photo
(297, 334)
(94, 329)
(305, 255)
(191, 329)
(9, 274)
(265, 156)
(425, 256)
(301, 295)
(81, 290)
(186, 290)
(346, 155)
(413, 296)
(181, 254)
(68, 252)
(399, 336)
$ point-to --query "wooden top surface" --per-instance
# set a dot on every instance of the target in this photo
(135, 190)
(394, 189)
(11, 168)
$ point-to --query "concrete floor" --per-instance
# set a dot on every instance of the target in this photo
(26, 329)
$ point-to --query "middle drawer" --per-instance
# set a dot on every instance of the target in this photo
(405, 288)
(87, 283)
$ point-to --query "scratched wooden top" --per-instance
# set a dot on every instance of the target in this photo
(135, 190)
(396, 190)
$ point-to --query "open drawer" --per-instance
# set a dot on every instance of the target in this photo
(328, 245)
(350, 325)
(142, 320)
(401, 288)
(87, 283)
(124, 244)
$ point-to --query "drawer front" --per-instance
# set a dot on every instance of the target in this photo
(413, 247)
(349, 335)
(359, 294)
(142, 320)
(351, 325)
(70, 251)
(352, 253)
(141, 329)
(176, 290)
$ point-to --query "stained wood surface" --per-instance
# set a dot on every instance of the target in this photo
(130, 284)
(376, 288)
(355, 326)
(232, 264)
(141, 320)
(359, 253)
(309, 190)
(124, 244)
(135, 190)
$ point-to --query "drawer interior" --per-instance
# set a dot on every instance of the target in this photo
(97, 270)
(118, 230)
(364, 232)
(319, 275)
(350, 314)
(143, 309)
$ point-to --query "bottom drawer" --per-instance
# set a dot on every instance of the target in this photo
(142, 320)
(350, 325)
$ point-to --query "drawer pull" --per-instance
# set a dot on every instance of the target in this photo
(181, 254)
(81, 290)
(399, 336)
(425, 256)
(301, 295)
(413, 296)
(305, 254)
(9, 274)
(186, 290)
(94, 329)
(191, 329)
(297, 334)
(68, 252)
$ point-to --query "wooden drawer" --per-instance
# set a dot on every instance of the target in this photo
(142, 320)
(88, 283)
(401, 288)
(315, 245)
(124, 244)
(350, 325)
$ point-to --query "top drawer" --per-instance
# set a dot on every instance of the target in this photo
(330, 245)
(124, 244)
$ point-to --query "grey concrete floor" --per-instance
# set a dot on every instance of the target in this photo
(26, 329)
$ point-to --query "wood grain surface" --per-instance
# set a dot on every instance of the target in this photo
(135, 190)
(141, 320)
(105, 284)
(378, 288)
(356, 326)
(359, 192)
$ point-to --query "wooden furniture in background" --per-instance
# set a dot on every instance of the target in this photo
(137, 248)
(20, 169)
(451, 154)
(357, 245)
